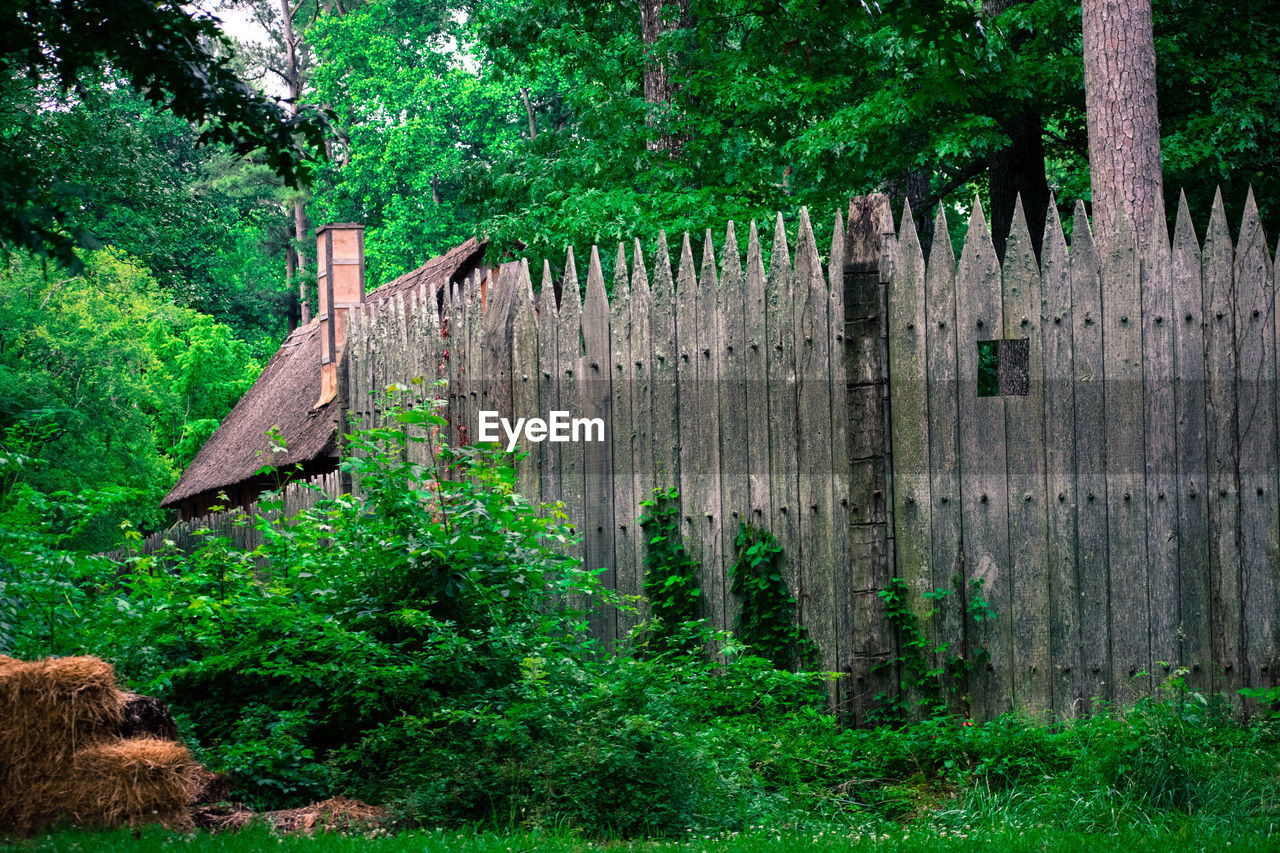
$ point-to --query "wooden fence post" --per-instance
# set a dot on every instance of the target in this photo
(867, 642)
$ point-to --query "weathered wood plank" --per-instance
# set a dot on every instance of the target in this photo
(454, 344)
(643, 414)
(1256, 401)
(524, 382)
(1025, 457)
(984, 495)
(813, 423)
(947, 568)
(871, 642)
(757, 386)
(1126, 461)
(663, 372)
(707, 440)
(461, 376)
(909, 405)
(627, 571)
(779, 332)
(1060, 473)
(415, 434)
(435, 367)
(569, 342)
(688, 390)
(357, 344)
(1091, 479)
(488, 385)
(733, 409)
(597, 451)
(1160, 416)
(549, 381)
(1221, 419)
(842, 587)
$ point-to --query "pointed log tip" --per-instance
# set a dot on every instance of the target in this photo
(908, 215)
(1218, 209)
(940, 220)
(1250, 204)
(1182, 225)
(1158, 239)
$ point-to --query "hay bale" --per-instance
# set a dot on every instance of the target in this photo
(60, 724)
(49, 709)
(132, 782)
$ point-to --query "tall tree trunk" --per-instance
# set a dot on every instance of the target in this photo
(1017, 169)
(528, 111)
(914, 186)
(290, 266)
(1120, 109)
(293, 79)
(658, 17)
(301, 230)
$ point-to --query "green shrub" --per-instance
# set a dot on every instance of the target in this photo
(621, 745)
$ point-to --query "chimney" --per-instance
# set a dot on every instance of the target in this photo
(340, 283)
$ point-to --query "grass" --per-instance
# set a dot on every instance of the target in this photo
(902, 841)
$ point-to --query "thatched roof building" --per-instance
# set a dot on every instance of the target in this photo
(291, 396)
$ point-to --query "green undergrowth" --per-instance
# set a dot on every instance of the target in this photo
(1013, 840)
(414, 647)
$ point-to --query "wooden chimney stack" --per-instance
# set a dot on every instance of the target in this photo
(340, 283)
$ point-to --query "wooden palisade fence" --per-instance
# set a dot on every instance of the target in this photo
(717, 380)
(1117, 496)
(1114, 498)
(238, 525)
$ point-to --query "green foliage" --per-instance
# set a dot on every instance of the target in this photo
(766, 621)
(926, 668)
(200, 220)
(617, 746)
(434, 585)
(777, 107)
(410, 646)
(670, 574)
(108, 384)
(164, 52)
(43, 584)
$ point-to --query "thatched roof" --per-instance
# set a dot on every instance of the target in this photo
(285, 393)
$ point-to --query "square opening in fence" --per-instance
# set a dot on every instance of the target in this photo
(1004, 368)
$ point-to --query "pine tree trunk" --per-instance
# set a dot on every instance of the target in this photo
(1120, 108)
(290, 267)
(1018, 170)
(656, 18)
(301, 229)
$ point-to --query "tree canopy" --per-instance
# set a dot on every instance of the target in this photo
(164, 51)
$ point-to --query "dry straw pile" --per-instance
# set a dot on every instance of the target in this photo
(62, 755)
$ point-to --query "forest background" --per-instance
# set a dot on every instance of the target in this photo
(161, 261)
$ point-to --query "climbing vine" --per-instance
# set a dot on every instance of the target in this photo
(670, 574)
(766, 621)
(921, 683)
